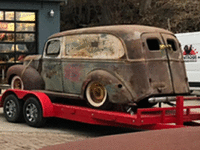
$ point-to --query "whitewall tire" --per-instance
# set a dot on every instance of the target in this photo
(97, 96)
(17, 83)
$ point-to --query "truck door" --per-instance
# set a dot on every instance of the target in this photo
(157, 64)
(165, 67)
(176, 64)
(51, 66)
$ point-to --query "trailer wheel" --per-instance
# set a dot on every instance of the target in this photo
(13, 109)
(33, 113)
(17, 83)
(97, 96)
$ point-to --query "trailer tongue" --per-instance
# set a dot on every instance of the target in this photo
(36, 107)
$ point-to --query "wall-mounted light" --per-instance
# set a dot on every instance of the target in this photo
(51, 13)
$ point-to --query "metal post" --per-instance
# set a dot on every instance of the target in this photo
(3, 74)
(160, 105)
(179, 110)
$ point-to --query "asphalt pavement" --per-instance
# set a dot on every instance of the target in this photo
(20, 136)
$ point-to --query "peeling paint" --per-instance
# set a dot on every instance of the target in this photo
(72, 72)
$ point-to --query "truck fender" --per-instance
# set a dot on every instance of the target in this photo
(117, 90)
(44, 100)
(30, 76)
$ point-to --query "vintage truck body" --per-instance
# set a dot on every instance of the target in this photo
(120, 64)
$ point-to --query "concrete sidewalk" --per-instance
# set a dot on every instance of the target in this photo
(33, 141)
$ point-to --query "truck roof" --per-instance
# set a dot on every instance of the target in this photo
(118, 30)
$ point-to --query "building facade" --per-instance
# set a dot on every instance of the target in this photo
(25, 25)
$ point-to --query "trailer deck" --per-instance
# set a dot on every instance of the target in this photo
(148, 118)
(145, 118)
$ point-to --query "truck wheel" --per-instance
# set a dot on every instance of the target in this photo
(33, 113)
(97, 96)
(13, 109)
(17, 83)
(24, 78)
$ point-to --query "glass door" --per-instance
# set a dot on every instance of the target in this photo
(18, 32)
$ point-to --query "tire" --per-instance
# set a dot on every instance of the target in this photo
(13, 109)
(97, 96)
(17, 83)
(33, 113)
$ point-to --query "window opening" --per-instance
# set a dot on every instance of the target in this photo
(153, 44)
(53, 48)
(9, 15)
(94, 46)
(172, 43)
(1, 15)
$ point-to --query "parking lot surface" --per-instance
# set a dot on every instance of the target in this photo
(19, 136)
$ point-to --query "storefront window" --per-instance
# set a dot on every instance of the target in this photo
(25, 27)
(25, 37)
(9, 15)
(6, 26)
(17, 35)
(1, 15)
(25, 16)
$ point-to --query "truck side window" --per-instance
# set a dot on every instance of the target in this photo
(53, 48)
(172, 43)
(153, 44)
(93, 46)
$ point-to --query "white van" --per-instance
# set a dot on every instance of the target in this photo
(190, 43)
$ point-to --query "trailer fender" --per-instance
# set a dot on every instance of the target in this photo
(117, 91)
(46, 104)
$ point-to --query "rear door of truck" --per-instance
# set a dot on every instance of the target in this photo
(165, 67)
(176, 64)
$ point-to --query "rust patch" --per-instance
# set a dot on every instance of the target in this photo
(72, 72)
(51, 73)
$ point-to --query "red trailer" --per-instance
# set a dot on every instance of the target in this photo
(35, 107)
